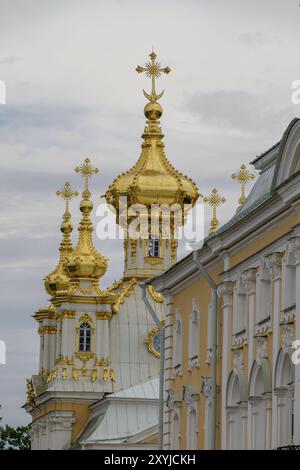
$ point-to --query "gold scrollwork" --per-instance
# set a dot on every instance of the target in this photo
(47, 330)
(156, 296)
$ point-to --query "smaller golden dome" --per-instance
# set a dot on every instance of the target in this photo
(153, 111)
(58, 281)
(85, 263)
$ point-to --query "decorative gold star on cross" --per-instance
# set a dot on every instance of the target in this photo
(214, 200)
(67, 193)
(243, 176)
(86, 169)
(153, 70)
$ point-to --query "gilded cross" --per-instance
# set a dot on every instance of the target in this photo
(214, 200)
(86, 169)
(67, 193)
(243, 176)
(153, 70)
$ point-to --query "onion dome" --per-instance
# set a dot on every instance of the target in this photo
(152, 180)
(58, 280)
(85, 263)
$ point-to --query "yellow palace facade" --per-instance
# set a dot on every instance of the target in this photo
(254, 263)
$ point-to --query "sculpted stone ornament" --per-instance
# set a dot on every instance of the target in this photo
(207, 387)
(261, 348)
(238, 365)
(287, 336)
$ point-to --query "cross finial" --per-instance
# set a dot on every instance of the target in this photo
(214, 200)
(153, 70)
(243, 176)
(86, 169)
(67, 193)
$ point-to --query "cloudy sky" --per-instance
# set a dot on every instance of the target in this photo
(72, 93)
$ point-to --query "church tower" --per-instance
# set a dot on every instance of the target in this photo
(154, 190)
(97, 383)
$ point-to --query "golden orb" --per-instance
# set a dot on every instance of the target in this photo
(66, 227)
(153, 111)
(86, 206)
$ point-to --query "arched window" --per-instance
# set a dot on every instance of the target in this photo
(260, 405)
(192, 429)
(177, 358)
(175, 430)
(284, 399)
(235, 412)
(85, 334)
(153, 247)
(194, 336)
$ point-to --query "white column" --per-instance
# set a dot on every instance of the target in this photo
(296, 251)
(249, 278)
(268, 408)
(225, 291)
(274, 264)
(169, 319)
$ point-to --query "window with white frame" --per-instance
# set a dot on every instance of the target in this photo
(194, 332)
(263, 294)
(175, 430)
(192, 428)
(177, 343)
(239, 307)
(289, 282)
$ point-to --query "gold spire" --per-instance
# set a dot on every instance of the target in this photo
(243, 176)
(58, 280)
(85, 263)
(152, 180)
(214, 200)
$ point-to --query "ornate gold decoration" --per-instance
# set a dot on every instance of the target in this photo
(74, 374)
(53, 375)
(103, 315)
(174, 246)
(149, 341)
(47, 330)
(153, 70)
(105, 375)
(124, 292)
(214, 200)
(103, 361)
(94, 375)
(44, 372)
(66, 314)
(152, 180)
(45, 313)
(156, 296)
(153, 261)
(64, 374)
(64, 360)
(58, 280)
(243, 176)
(85, 263)
(133, 244)
(112, 375)
(30, 392)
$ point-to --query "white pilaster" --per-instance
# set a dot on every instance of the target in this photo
(295, 242)
(225, 291)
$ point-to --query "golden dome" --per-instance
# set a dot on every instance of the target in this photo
(58, 280)
(152, 180)
(85, 263)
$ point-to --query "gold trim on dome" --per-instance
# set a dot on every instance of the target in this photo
(124, 293)
(149, 341)
(47, 330)
(30, 392)
(112, 375)
(85, 356)
(156, 296)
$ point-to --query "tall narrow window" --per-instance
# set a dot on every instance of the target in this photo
(263, 294)
(153, 247)
(194, 336)
(177, 344)
(192, 429)
(85, 337)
